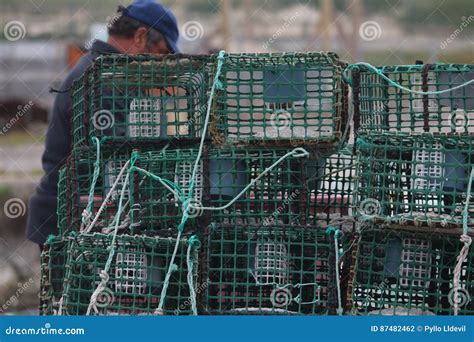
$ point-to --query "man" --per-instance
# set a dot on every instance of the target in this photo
(142, 27)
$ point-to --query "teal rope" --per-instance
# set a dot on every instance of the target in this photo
(173, 267)
(104, 280)
(296, 153)
(50, 239)
(465, 214)
(215, 85)
(378, 72)
(466, 240)
(90, 201)
(172, 187)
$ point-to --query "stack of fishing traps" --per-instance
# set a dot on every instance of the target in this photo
(228, 184)
(204, 185)
(415, 154)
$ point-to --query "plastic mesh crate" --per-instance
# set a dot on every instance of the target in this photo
(62, 201)
(141, 98)
(284, 98)
(80, 168)
(380, 106)
(408, 273)
(53, 261)
(136, 275)
(268, 270)
(414, 182)
(222, 175)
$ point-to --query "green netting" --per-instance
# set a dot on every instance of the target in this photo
(81, 170)
(380, 106)
(268, 270)
(136, 275)
(62, 201)
(53, 261)
(330, 185)
(314, 189)
(407, 273)
(141, 98)
(284, 98)
(422, 181)
(223, 175)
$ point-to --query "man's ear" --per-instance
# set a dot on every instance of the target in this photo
(140, 38)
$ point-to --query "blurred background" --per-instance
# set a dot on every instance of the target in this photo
(42, 39)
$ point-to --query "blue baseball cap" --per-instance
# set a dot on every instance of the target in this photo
(158, 17)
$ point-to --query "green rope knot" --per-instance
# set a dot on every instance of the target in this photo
(220, 60)
(219, 84)
(337, 232)
(194, 242)
(173, 268)
(102, 140)
(50, 239)
(135, 156)
(362, 144)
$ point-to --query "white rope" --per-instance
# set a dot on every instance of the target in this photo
(296, 153)
(467, 240)
(109, 194)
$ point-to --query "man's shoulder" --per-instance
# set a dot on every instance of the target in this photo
(79, 69)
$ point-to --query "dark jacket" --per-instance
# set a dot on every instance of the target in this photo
(42, 218)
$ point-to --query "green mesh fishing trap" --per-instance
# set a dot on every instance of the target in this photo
(298, 190)
(329, 189)
(409, 273)
(62, 201)
(136, 275)
(53, 262)
(79, 178)
(141, 98)
(268, 270)
(382, 107)
(420, 182)
(280, 98)
(275, 195)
